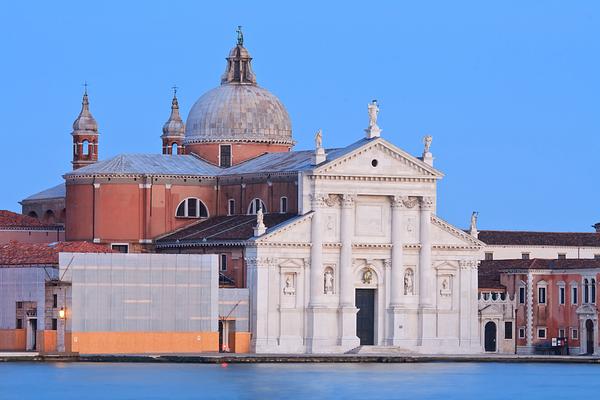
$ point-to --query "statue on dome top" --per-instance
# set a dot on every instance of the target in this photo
(240, 36)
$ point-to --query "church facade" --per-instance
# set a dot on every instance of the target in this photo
(339, 248)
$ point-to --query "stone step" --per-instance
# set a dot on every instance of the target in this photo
(379, 350)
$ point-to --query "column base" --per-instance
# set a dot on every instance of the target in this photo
(348, 339)
(322, 330)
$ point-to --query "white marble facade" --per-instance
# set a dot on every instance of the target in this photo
(367, 221)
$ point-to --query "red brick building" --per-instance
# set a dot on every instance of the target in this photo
(551, 299)
(23, 228)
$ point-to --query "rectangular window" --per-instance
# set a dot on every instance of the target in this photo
(192, 210)
(522, 332)
(542, 295)
(574, 295)
(561, 333)
(574, 334)
(54, 324)
(561, 295)
(231, 207)
(225, 155)
(562, 256)
(19, 323)
(283, 207)
(541, 333)
(525, 256)
(508, 330)
(521, 295)
(54, 300)
(223, 262)
(120, 248)
(489, 256)
(596, 256)
(19, 304)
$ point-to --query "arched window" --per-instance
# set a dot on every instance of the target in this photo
(283, 205)
(255, 205)
(192, 208)
(174, 148)
(85, 146)
(586, 291)
(49, 217)
(32, 214)
(593, 284)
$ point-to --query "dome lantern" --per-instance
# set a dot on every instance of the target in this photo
(237, 120)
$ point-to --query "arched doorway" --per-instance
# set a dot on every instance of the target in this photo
(589, 336)
(490, 336)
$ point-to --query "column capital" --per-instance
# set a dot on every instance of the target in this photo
(398, 201)
(317, 200)
(387, 263)
(426, 203)
(348, 200)
(467, 264)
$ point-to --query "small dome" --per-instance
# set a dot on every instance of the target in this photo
(174, 126)
(238, 113)
(85, 121)
(238, 110)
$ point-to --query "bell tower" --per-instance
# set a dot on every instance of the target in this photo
(173, 129)
(85, 136)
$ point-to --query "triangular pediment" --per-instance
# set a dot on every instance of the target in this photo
(296, 230)
(376, 157)
(445, 234)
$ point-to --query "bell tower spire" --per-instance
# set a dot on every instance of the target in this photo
(173, 129)
(85, 135)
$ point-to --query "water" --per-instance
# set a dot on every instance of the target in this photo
(482, 381)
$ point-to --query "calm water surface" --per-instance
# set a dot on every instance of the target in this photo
(484, 381)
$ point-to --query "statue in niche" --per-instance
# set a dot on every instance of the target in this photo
(408, 282)
(367, 277)
(328, 281)
(289, 288)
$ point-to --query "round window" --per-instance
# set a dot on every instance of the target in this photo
(374, 163)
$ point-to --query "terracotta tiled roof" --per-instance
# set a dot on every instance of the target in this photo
(233, 227)
(17, 253)
(9, 219)
(524, 238)
(490, 270)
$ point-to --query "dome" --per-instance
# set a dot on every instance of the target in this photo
(239, 110)
(174, 126)
(238, 113)
(85, 121)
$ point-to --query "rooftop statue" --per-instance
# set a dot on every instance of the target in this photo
(427, 142)
(319, 139)
(373, 112)
(240, 36)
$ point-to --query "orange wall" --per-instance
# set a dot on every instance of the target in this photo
(239, 342)
(239, 151)
(12, 340)
(46, 341)
(31, 236)
(144, 342)
(79, 205)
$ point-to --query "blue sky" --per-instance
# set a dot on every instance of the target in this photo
(509, 90)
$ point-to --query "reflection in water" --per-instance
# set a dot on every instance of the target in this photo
(296, 381)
